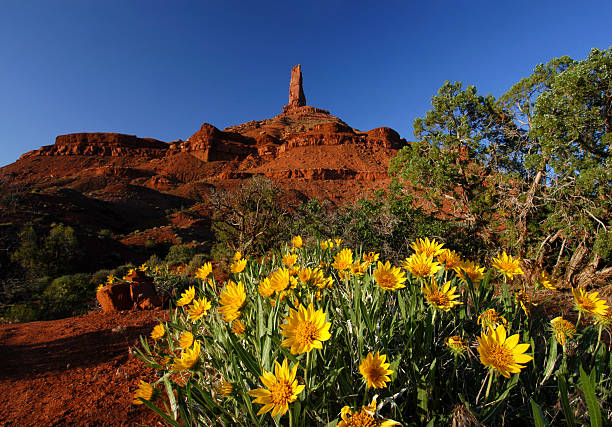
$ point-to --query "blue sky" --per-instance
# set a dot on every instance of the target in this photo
(162, 68)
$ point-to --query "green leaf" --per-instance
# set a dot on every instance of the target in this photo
(588, 388)
(565, 406)
(552, 359)
(536, 413)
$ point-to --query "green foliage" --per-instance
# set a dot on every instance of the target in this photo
(531, 170)
(180, 254)
(51, 255)
(247, 219)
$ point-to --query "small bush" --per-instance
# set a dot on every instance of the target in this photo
(180, 254)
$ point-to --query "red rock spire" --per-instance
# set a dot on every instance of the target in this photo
(296, 91)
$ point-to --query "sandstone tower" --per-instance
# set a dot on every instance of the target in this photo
(296, 91)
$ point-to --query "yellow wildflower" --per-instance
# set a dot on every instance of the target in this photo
(449, 258)
(421, 265)
(473, 271)
(375, 370)
(547, 281)
(188, 358)
(237, 256)
(297, 242)
(305, 329)
(238, 266)
(198, 309)
(442, 299)
(110, 279)
(238, 327)
(281, 389)
(225, 389)
(144, 392)
(186, 297)
(363, 418)
(389, 278)
(338, 242)
(508, 266)
(456, 344)
(563, 329)
(186, 339)
(158, 331)
(501, 353)
(491, 319)
(265, 288)
(204, 271)
(343, 259)
(371, 257)
(427, 247)
(524, 300)
(359, 268)
(232, 299)
(589, 303)
(279, 280)
(289, 259)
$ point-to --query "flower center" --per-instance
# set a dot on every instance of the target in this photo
(281, 393)
(375, 373)
(361, 419)
(387, 281)
(586, 304)
(439, 299)
(500, 356)
(306, 333)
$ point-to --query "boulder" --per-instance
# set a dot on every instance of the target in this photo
(115, 297)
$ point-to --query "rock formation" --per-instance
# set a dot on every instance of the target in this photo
(296, 90)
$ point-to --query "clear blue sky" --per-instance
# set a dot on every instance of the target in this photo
(161, 68)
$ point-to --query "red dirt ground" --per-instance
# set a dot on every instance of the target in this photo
(75, 371)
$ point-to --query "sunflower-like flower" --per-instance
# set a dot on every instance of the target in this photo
(338, 242)
(604, 319)
(563, 329)
(110, 279)
(508, 266)
(186, 339)
(188, 358)
(238, 266)
(491, 319)
(265, 288)
(143, 267)
(389, 278)
(456, 344)
(421, 265)
(318, 279)
(279, 280)
(449, 258)
(198, 309)
(100, 287)
(305, 329)
(297, 242)
(370, 257)
(225, 388)
(204, 271)
(186, 297)
(589, 303)
(375, 370)
(304, 275)
(501, 353)
(473, 271)
(343, 259)
(427, 247)
(144, 392)
(547, 281)
(232, 299)
(238, 327)
(359, 268)
(158, 331)
(289, 259)
(326, 244)
(524, 300)
(281, 389)
(364, 418)
(237, 256)
(442, 299)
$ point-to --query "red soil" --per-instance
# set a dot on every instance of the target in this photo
(75, 371)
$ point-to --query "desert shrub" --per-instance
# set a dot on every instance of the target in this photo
(67, 296)
(196, 262)
(123, 269)
(249, 218)
(20, 313)
(100, 276)
(154, 261)
(180, 254)
(51, 255)
(356, 330)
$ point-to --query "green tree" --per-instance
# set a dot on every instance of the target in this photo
(531, 169)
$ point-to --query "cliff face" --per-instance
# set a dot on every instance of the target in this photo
(101, 144)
